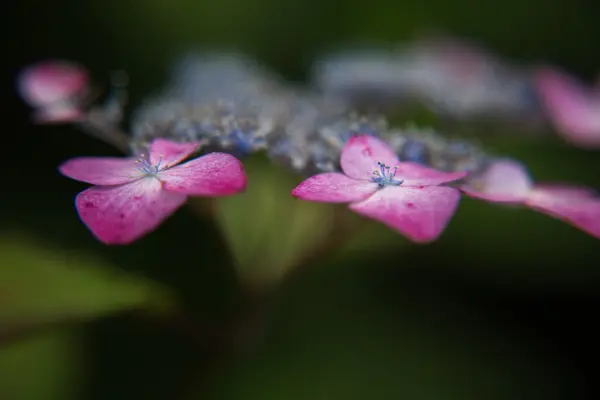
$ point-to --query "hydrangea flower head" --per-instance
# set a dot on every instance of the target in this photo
(134, 196)
(404, 196)
(55, 89)
(573, 108)
(507, 181)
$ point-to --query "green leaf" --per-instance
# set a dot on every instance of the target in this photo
(40, 285)
(44, 366)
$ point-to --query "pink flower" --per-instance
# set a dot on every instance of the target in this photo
(507, 181)
(135, 196)
(573, 108)
(55, 89)
(404, 196)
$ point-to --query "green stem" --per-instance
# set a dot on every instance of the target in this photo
(247, 326)
(95, 126)
(344, 231)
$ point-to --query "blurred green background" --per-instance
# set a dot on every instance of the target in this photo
(501, 307)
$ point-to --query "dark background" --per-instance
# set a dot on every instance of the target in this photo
(502, 307)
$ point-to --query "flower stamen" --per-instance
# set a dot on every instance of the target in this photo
(385, 175)
(146, 167)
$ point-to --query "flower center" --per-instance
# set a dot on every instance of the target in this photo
(146, 167)
(385, 176)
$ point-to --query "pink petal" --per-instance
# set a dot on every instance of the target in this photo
(572, 107)
(561, 190)
(421, 214)
(360, 156)
(101, 170)
(52, 81)
(122, 214)
(62, 114)
(503, 181)
(215, 174)
(170, 152)
(417, 175)
(581, 212)
(334, 188)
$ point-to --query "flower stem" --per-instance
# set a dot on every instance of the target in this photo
(344, 230)
(96, 125)
(248, 325)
